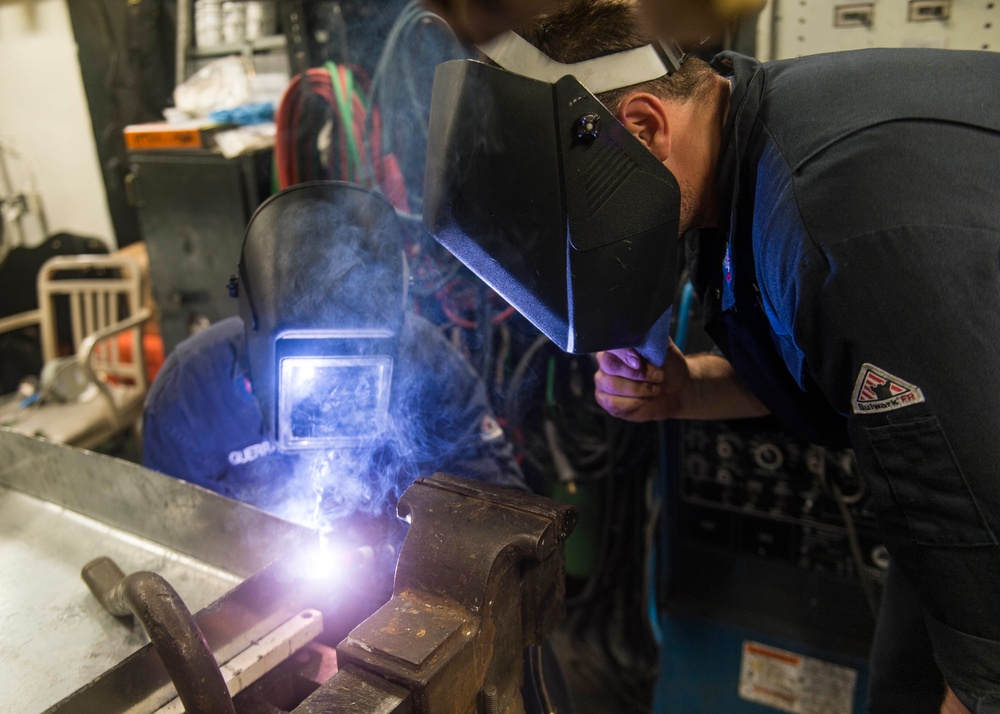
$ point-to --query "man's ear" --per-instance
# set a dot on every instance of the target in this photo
(645, 116)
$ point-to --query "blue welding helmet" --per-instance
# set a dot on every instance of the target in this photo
(538, 189)
(322, 284)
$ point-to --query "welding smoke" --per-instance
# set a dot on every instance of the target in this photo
(317, 257)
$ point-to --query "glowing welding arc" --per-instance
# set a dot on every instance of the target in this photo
(332, 563)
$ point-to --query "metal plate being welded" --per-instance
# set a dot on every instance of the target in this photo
(60, 508)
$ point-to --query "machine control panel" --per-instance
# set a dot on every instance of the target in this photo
(759, 492)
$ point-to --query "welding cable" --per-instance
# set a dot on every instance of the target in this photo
(565, 472)
(389, 67)
(430, 275)
(450, 306)
(833, 489)
(538, 673)
(352, 109)
(550, 382)
(502, 356)
(315, 82)
(486, 322)
(659, 481)
(341, 136)
(394, 130)
(683, 316)
(338, 92)
(352, 120)
(650, 591)
(374, 167)
(593, 589)
(622, 454)
(588, 442)
(578, 431)
(513, 402)
(593, 447)
(610, 607)
(511, 411)
(404, 101)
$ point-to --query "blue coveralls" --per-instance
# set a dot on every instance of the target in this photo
(854, 284)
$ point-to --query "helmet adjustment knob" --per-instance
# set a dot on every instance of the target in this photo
(587, 126)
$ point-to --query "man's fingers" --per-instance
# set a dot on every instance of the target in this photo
(617, 363)
(616, 406)
(625, 387)
(612, 363)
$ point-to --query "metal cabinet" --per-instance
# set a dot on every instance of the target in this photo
(193, 210)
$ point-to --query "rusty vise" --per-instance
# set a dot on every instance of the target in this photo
(479, 579)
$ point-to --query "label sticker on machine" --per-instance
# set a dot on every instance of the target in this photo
(795, 683)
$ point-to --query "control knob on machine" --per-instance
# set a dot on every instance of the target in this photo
(768, 456)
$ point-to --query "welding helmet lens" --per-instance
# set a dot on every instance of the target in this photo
(538, 189)
(333, 390)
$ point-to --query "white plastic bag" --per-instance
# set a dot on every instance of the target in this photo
(222, 84)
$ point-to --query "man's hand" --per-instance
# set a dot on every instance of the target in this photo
(701, 386)
(629, 387)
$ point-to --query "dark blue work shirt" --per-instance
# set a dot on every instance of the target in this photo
(203, 425)
(854, 284)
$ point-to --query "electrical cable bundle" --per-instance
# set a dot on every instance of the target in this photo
(608, 614)
(443, 290)
(322, 133)
(401, 91)
(604, 466)
(418, 41)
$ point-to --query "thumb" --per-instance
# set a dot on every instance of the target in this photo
(629, 356)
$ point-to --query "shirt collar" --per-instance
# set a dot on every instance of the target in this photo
(747, 80)
(707, 247)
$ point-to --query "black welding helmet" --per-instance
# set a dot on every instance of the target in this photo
(536, 187)
(322, 284)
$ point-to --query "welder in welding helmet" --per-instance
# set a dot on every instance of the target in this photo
(536, 186)
(324, 367)
(323, 317)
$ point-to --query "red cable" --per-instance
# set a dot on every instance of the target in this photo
(385, 169)
(281, 120)
(444, 298)
(376, 144)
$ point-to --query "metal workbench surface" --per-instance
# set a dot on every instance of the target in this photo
(62, 507)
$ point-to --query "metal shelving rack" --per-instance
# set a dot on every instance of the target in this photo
(188, 53)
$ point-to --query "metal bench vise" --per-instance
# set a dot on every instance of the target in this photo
(479, 579)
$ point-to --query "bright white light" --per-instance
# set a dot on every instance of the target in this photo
(303, 375)
(331, 562)
(333, 401)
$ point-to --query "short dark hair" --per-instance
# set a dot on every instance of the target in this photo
(583, 29)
